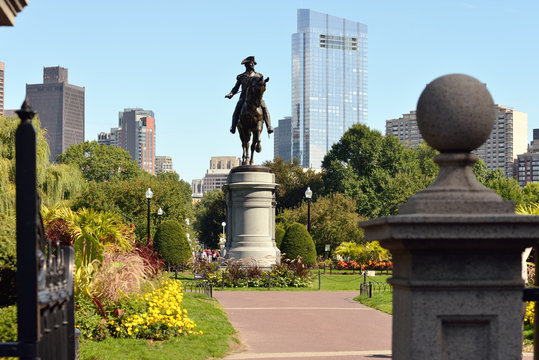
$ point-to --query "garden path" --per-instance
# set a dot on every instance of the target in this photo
(296, 325)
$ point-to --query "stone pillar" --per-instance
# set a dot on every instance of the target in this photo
(456, 245)
(250, 205)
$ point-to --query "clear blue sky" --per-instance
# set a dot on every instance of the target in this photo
(179, 59)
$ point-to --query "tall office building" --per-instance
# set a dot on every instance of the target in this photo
(138, 136)
(112, 138)
(405, 129)
(163, 164)
(216, 175)
(282, 139)
(60, 106)
(2, 78)
(329, 83)
(508, 137)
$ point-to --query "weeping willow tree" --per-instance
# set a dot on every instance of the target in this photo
(56, 182)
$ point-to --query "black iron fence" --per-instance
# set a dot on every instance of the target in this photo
(45, 296)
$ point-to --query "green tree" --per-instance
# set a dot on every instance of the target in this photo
(530, 193)
(333, 220)
(365, 164)
(55, 182)
(507, 188)
(100, 162)
(293, 181)
(210, 213)
(171, 243)
(127, 198)
(298, 242)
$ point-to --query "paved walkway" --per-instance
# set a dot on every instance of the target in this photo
(296, 325)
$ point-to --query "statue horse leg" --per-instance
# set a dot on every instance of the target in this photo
(245, 137)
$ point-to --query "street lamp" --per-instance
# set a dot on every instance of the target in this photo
(308, 196)
(223, 224)
(160, 213)
(188, 237)
(149, 195)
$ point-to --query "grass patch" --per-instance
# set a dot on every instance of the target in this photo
(205, 312)
(380, 301)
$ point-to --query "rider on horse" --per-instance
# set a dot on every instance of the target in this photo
(243, 81)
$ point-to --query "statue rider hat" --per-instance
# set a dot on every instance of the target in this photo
(248, 59)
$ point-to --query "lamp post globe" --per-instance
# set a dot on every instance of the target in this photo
(308, 196)
(159, 214)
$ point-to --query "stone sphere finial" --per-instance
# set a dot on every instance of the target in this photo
(455, 113)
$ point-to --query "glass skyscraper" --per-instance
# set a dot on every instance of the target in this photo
(329, 83)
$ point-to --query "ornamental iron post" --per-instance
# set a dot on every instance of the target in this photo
(308, 196)
(149, 195)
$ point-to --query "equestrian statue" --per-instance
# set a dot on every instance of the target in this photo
(251, 111)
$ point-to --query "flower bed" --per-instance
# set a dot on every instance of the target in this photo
(371, 265)
(289, 274)
(156, 315)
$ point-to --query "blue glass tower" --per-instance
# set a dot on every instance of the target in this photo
(329, 83)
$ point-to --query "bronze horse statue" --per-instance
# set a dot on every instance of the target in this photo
(251, 118)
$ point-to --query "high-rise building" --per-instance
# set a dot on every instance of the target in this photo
(216, 175)
(527, 168)
(2, 79)
(112, 138)
(405, 129)
(282, 139)
(507, 139)
(534, 145)
(163, 164)
(138, 136)
(329, 83)
(60, 106)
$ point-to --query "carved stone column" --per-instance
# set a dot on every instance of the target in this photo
(456, 245)
(251, 216)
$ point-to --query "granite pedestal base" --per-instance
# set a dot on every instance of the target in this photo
(250, 197)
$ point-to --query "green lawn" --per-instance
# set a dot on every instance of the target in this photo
(382, 301)
(216, 341)
(338, 281)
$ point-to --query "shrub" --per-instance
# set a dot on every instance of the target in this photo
(8, 324)
(171, 243)
(8, 260)
(298, 242)
(279, 235)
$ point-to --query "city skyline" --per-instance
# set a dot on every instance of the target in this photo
(180, 60)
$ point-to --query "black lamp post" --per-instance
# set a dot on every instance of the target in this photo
(159, 214)
(308, 196)
(149, 195)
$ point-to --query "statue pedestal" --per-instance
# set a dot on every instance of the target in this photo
(250, 205)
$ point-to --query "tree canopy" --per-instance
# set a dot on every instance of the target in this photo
(293, 181)
(210, 213)
(100, 162)
(377, 171)
(333, 220)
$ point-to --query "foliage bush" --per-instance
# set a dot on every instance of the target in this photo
(8, 260)
(290, 273)
(8, 323)
(298, 242)
(171, 243)
(279, 235)
(363, 253)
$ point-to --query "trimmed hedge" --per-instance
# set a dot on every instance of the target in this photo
(298, 242)
(279, 235)
(171, 243)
